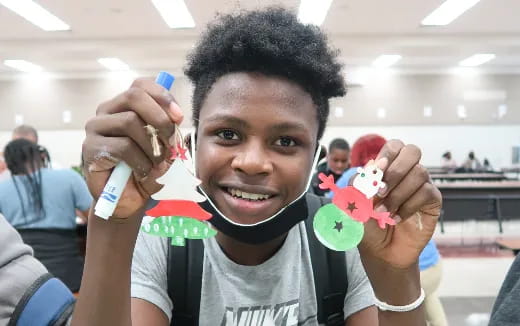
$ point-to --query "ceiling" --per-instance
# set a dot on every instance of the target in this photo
(362, 29)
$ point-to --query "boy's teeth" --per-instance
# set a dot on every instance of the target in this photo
(247, 195)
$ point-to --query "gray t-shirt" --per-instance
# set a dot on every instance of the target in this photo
(280, 291)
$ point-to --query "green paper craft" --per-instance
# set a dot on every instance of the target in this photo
(178, 228)
(336, 230)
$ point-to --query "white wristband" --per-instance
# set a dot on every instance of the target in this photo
(383, 306)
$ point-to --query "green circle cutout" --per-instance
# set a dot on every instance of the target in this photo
(336, 230)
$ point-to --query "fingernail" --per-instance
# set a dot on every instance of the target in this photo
(175, 112)
(381, 208)
(382, 192)
(397, 219)
(382, 163)
(168, 96)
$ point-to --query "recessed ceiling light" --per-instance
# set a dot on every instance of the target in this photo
(359, 76)
(477, 59)
(23, 65)
(175, 13)
(36, 14)
(386, 60)
(465, 71)
(114, 64)
(447, 12)
(313, 11)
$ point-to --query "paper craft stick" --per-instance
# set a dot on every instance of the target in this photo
(109, 198)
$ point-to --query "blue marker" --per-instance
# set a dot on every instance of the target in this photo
(109, 198)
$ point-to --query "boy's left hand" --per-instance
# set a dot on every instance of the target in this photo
(410, 195)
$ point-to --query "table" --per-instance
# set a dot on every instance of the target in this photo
(498, 176)
(480, 200)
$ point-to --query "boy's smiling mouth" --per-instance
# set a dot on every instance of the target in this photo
(246, 201)
(237, 193)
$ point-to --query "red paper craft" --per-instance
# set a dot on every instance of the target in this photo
(183, 208)
(354, 203)
(178, 152)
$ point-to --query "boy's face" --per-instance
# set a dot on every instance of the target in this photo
(337, 160)
(255, 145)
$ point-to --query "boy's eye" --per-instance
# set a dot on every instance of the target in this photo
(228, 135)
(285, 142)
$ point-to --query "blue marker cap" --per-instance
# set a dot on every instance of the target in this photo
(165, 80)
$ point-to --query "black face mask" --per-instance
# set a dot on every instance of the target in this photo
(262, 232)
(266, 230)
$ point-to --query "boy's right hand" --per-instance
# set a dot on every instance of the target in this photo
(117, 133)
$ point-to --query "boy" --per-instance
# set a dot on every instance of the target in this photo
(262, 83)
(337, 163)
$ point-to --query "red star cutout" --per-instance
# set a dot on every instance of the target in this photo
(181, 152)
(173, 153)
(178, 152)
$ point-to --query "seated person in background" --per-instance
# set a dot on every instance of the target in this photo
(448, 163)
(30, 133)
(471, 164)
(25, 132)
(40, 203)
(430, 264)
(4, 171)
(366, 148)
(486, 166)
(337, 163)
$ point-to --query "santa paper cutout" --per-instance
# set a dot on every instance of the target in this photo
(339, 226)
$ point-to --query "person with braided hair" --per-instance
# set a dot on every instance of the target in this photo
(40, 203)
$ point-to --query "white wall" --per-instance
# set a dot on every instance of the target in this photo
(492, 142)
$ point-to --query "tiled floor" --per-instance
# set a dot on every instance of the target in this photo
(468, 311)
(474, 269)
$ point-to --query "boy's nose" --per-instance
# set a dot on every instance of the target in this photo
(253, 159)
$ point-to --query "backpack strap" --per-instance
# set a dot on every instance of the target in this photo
(185, 281)
(47, 301)
(329, 269)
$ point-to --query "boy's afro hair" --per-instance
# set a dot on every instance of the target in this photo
(272, 42)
